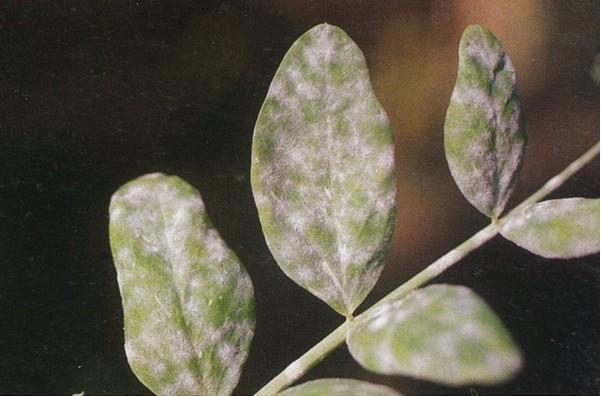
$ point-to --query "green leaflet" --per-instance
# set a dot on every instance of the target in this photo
(323, 170)
(187, 302)
(338, 387)
(441, 333)
(557, 228)
(484, 131)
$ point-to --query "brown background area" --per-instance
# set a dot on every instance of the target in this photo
(94, 94)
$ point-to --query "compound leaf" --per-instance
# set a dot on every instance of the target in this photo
(557, 228)
(484, 131)
(441, 333)
(323, 170)
(187, 302)
(338, 387)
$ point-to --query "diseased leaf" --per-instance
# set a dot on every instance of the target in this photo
(557, 228)
(323, 170)
(338, 387)
(441, 333)
(484, 132)
(187, 302)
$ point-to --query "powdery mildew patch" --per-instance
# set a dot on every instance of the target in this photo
(322, 170)
(485, 135)
(187, 301)
(557, 228)
(441, 333)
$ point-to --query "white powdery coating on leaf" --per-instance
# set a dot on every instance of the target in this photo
(173, 271)
(475, 97)
(488, 57)
(322, 180)
(215, 246)
(125, 255)
(226, 352)
(424, 335)
(559, 228)
(485, 135)
(185, 381)
(379, 323)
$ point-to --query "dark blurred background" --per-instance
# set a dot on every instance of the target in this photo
(96, 93)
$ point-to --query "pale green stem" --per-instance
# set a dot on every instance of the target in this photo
(301, 365)
(320, 350)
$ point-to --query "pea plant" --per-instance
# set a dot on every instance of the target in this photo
(322, 175)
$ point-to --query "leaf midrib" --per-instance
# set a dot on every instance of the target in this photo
(327, 92)
(180, 299)
(497, 122)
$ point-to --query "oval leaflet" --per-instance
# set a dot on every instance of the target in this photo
(322, 170)
(441, 333)
(187, 302)
(557, 228)
(484, 131)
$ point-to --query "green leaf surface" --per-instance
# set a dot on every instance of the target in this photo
(323, 170)
(441, 333)
(187, 302)
(557, 228)
(484, 131)
(338, 387)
